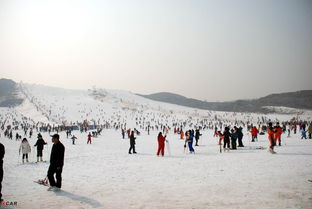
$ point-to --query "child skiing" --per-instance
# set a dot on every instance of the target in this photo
(89, 138)
(40, 144)
(25, 148)
(74, 138)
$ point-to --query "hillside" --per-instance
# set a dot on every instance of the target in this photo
(9, 94)
(298, 100)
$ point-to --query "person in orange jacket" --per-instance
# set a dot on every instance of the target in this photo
(181, 134)
(254, 134)
(278, 133)
(271, 133)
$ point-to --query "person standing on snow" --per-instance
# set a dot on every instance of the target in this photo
(278, 133)
(56, 163)
(25, 148)
(161, 144)
(123, 133)
(310, 130)
(197, 135)
(181, 134)
(132, 143)
(240, 135)
(89, 138)
(226, 139)
(2, 152)
(254, 134)
(74, 138)
(40, 144)
(271, 133)
(189, 140)
(233, 138)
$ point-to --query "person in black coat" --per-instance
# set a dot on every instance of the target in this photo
(234, 137)
(56, 163)
(197, 135)
(240, 135)
(40, 144)
(132, 143)
(2, 151)
(226, 138)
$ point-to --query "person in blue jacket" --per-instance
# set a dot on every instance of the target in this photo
(189, 140)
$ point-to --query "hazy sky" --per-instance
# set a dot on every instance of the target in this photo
(212, 50)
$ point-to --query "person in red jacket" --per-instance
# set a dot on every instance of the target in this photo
(254, 134)
(89, 138)
(278, 133)
(161, 144)
(271, 132)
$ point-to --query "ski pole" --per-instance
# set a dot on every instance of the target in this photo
(168, 148)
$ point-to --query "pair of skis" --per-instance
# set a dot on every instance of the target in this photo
(44, 182)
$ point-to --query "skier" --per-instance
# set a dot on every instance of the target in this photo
(226, 139)
(189, 140)
(240, 135)
(271, 132)
(74, 138)
(181, 134)
(233, 139)
(89, 138)
(254, 134)
(310, 130)
(161, 144)
(123, 133)
(25, 148)
(278, 133)
(295, 128)
(221, 137)
(2, 152)
(303, 134)
(132, 143)
(40, 144)
(197, 135)
(30, 133)
(56, 163)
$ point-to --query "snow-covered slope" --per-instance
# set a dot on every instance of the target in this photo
(63, 106)
(104, 175)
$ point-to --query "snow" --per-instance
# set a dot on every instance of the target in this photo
(104, 175)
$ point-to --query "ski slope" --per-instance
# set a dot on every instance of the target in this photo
(104, 175)
(64, 106)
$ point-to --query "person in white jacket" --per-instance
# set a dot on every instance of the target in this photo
(25, 148)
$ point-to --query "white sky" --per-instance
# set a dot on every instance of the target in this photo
(213, 50)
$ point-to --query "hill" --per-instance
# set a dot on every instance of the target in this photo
(298, 100)
(9, 93)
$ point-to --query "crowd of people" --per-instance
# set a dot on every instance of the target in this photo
(230, 136)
